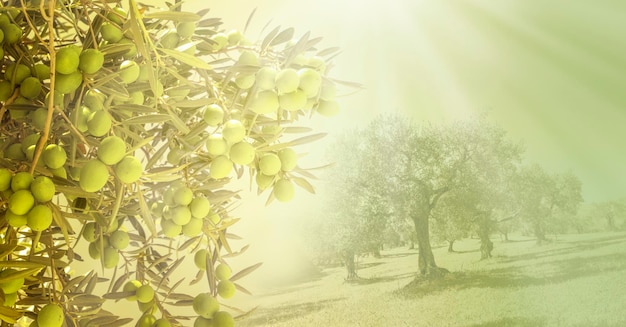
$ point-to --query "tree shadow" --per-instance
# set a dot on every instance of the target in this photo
(399, 255)
(577, 246)
(369, 265)
(463, 252)
(288, 312)
(558, 271)
(519, 241)
(293, 284)
(513, 322)
(374, 280)
(600, 240)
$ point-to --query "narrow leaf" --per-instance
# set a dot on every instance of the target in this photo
(283, 37)
(147, 119)
(245, 272)
(183, 303)
(177, 16)
(189, 242)
(171, 270)
(18, 274)
(9, 315)
(180, 125)
(186, 58)
(22, 264)
(195, 103)
(249, 20)
(118, 295)
(307, 139)
(224, 241)
(304, 184)
(87, 300)
(242, 289)
(269, 37)
(146, 214)
(6, 249)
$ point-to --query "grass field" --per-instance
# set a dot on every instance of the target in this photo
(576, 280)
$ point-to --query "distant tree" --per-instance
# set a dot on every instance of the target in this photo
(547, 201)
(354, 214)
(400, 230)
(611, 211)
(508, 225)
(450, 219)
(585, 219)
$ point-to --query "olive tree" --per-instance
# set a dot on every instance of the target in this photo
(122, 127)
(353, 214)
(460, 163)
(613, 211)
(547, 201)
(483, 192)
(402, 171)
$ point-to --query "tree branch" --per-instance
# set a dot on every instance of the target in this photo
(437, 195)
(513, 216)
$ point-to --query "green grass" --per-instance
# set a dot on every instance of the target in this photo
(577, 280)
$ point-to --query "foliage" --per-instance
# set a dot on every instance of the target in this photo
(547, 201)
(124, 126)
(451, 219)
(483, 193)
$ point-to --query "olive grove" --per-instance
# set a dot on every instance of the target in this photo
(450, 181)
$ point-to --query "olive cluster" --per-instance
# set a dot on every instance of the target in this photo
(182, 211)
(28, 199)
(105, 242)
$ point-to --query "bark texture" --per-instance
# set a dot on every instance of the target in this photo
(426, 260)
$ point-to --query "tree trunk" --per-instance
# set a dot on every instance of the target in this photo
(376, 252)
(486, 246)
(611, 223)
(450, 245)
(484, 232)
(540, 234)
(426, 259)
(348, 259)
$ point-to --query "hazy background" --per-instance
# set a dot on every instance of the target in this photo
(549, 72)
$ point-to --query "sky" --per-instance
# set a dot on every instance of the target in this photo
(548, 72)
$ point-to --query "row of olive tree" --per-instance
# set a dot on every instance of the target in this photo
(451, 180)
(607, 215)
